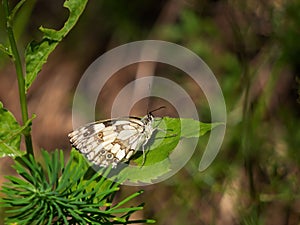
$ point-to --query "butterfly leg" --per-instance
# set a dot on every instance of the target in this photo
(144, 155)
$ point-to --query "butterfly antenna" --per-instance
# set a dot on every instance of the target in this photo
(162, 107)
(148, 99)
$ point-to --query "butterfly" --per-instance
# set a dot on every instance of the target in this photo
(109, 142)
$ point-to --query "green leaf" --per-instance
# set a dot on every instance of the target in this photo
(126, 200)
(158, 149)
(177, 129)
(37, 53)
(10, 134)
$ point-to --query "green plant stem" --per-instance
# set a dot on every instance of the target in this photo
(246, 135)
(20, 76)
(246, 116)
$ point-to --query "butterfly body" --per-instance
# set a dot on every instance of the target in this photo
(109, 142)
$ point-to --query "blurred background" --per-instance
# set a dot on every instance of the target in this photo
(253, 49)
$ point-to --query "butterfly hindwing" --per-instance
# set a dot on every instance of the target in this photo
(109, 142)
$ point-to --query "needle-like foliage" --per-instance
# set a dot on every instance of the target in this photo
(62, 194)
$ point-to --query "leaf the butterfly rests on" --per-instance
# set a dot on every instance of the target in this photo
(109, 142)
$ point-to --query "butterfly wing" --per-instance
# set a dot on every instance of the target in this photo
(108, 142)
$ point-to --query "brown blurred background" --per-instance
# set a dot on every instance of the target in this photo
(252, 47)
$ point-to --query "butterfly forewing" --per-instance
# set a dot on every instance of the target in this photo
(109, 142)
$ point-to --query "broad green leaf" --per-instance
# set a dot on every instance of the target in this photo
(10, 135)
(37, 53)
(176, 130)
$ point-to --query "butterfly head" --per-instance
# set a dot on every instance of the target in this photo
(148, 119)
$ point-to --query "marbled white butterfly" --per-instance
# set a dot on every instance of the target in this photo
(109, 142)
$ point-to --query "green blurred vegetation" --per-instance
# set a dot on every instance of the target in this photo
(253, 49)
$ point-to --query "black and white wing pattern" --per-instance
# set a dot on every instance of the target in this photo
(109, 142)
